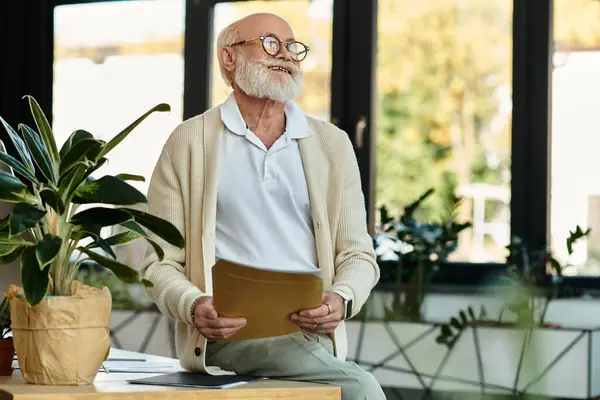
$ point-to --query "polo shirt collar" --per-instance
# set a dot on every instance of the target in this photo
(296, 124)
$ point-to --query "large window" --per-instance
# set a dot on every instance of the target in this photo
(312, 23)
(575, 195)
(452, 95)
(444, 82)
(112, 62)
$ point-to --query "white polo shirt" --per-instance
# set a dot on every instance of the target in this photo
(263, 208)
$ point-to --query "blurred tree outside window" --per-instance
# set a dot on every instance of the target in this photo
(444, 114)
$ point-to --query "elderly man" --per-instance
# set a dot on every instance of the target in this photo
(257, 182)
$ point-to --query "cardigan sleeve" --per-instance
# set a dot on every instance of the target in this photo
(173, 293)
(356, 268)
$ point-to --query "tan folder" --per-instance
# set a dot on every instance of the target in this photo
(265, 298)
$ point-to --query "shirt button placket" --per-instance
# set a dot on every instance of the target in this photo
(269, 168)
(266, 168)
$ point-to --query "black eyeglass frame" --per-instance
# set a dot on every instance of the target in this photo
(286, 44)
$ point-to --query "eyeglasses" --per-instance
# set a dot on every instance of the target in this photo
(272, 46)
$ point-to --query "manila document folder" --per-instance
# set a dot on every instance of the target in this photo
(266, 298)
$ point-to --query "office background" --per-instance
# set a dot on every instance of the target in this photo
(493, 100)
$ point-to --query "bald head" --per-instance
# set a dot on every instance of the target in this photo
(254, 25)
(262, 23)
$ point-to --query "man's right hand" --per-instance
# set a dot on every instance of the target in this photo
(210, 325)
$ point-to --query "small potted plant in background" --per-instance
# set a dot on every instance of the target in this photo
(7, 350)
(410, 250)
(46, 230)
(533, 280)
(534, 353)
(419, 247)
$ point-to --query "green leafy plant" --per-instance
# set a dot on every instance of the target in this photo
(48, 186)
(4, 319)
(418, 248)
(539, 280)
(450, 332)
(533, 279)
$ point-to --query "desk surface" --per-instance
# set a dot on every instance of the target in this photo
(114, 385)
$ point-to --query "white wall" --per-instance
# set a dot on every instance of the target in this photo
(439, 307)
(9, 273)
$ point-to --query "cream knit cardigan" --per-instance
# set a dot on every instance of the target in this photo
(183, 190)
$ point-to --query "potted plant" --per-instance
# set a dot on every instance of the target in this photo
(533, 280)
(7, 350)
(410, 250)
(417, 249)
(535, 352)
(60, 325)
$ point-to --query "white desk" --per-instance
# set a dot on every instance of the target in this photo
(114, 385)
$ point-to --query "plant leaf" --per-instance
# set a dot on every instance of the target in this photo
(471, 312)
(86, 164)
(8, 243)
(162, 228)
(18, 167)
(83, 149)
(454, 322)
(574, 237)
(123, 134)
(72, 180)
(122, 271)
(99, 164)
(4, 315)
(75, 179)
(463, 317)
(73, 139)
(99, 242)
(52, 198)
(39, 152)
(101, 216)
(108, 190)
(16, 253)
(47, 249)
(147, 283)
(12, 190)
(24, 216)
(446, 330)
(9, 182)
(4, 224)
(556, 266)
(135, 227)
(45, 130)
(131, 177)
(35, 280)
(122, 238)
(20, 146)
(81, 232)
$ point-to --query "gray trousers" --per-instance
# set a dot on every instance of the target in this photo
(301, 356)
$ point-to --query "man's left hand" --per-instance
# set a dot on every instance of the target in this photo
(319, 320)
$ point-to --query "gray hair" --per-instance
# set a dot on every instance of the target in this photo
(227, 36)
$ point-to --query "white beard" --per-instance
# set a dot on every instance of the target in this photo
(252, 77)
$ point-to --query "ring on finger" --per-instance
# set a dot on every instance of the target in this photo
(320, 327)
(329, 308)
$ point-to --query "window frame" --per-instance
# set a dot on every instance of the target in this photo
(352, 101)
